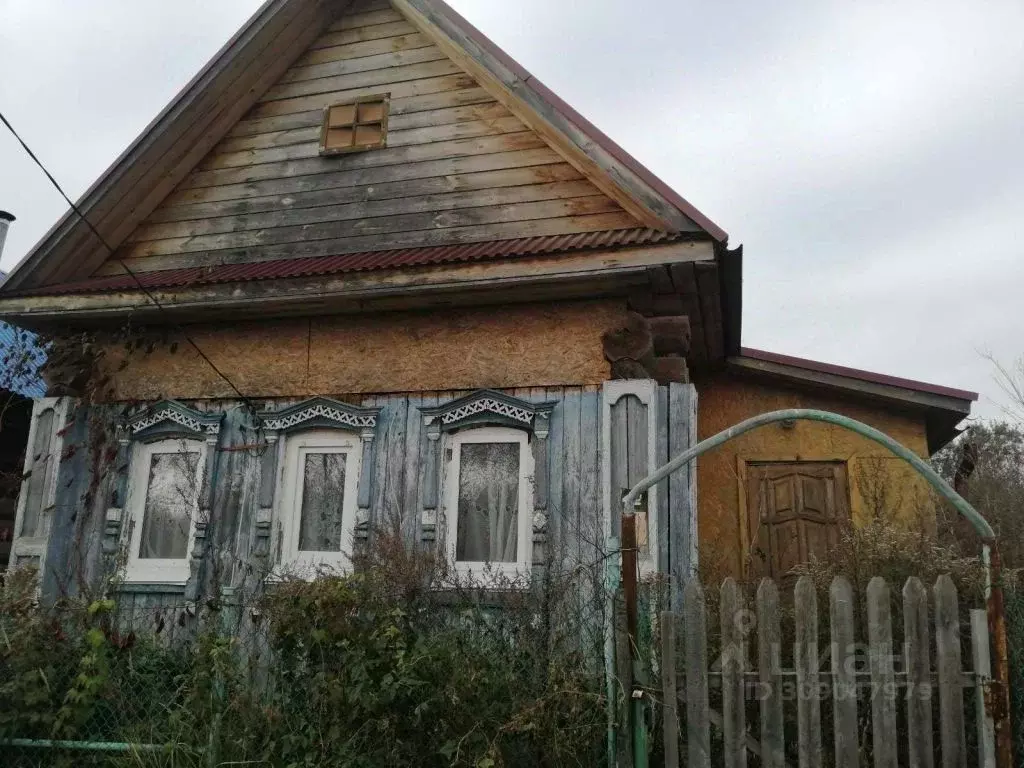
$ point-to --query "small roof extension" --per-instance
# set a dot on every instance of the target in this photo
(943, 407)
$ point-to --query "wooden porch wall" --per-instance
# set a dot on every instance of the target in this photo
(458, 166)
(574, 535)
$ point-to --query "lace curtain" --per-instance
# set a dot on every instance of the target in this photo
(170, 502)
(323, 495)
(488, 512)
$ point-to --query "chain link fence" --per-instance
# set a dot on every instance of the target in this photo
(76, 690)
(381, 668)
(376, 669)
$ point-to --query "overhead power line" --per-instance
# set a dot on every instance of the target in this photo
(110, 251)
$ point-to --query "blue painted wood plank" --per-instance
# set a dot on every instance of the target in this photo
(413, 454)
(591, 535)
(618, 463)
(682, 507)
(397, 463)
(571, 467)
(556, 479)
(73, 551)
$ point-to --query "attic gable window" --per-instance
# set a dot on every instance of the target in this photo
(356, 126)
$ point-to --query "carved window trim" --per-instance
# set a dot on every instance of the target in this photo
(170, 571)
(276, 517)
(161, 424)
(168, 419)
(486, 408)
(320, 412)
(519, 570)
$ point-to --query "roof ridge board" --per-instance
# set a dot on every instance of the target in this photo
(862, 374)
(192, 94)
(571, 115)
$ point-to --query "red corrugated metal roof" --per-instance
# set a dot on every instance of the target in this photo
(857, 373)
(359, 262)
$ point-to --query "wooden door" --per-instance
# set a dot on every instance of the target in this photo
(794, 511)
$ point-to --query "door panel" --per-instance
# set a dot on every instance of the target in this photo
(794, 510)
(821, 538)
(786, 547)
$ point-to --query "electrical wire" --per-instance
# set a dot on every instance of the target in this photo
(146, 292)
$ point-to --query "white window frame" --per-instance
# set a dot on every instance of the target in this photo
(294, 562)
(480, 571)
(171, 571)
(35, 546)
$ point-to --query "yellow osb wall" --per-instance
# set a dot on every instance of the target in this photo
(879, 482)
(531, 345)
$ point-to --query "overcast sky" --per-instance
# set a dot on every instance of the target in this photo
(869, 155)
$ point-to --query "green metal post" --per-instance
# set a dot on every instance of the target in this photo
(635, 709)
(82, 746)
(611, 588)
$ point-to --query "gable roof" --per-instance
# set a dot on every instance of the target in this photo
(252, 61)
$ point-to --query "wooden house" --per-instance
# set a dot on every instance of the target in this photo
(375, 273)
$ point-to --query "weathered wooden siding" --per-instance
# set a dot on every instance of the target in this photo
(574, 534)
(458, 166)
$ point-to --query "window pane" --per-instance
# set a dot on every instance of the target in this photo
(170, 497)
(40, 471)
(342, 116)
(339, 138)
(488, 503)
(371, 112)
(368, 134)
(323, 495)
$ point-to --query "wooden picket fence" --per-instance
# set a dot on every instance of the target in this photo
(896, 686)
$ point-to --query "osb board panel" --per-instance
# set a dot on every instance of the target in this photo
(499, 347)
(877, 480)
(262, 359)
(264, 191)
